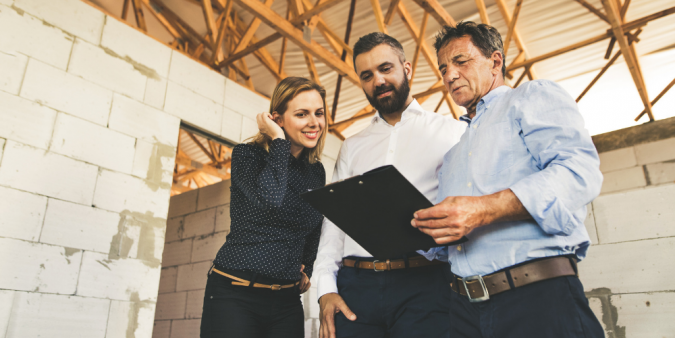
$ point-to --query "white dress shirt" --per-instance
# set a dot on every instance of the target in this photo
(415, 146)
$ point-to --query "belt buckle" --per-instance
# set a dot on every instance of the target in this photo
(479, 278)
(375, 266)
(275, 287)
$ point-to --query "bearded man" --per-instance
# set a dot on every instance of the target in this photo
(395, 296)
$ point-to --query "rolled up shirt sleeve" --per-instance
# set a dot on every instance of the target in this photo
(554, 133)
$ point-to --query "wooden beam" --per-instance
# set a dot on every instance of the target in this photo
(593, 10)
(438, 106)
(188, 30)
(501, 4)
(323, 28)
(597, 77)
(419, 41)
(483, 12)
(353, 119)
(338, 85)
(216, 53)
(626, 27)
(393, 4)
(431, 91)
(262, 54)
(657, 98)
(201, 146)
(624, 9)
(437, 11)
(454, 108)
(522, 76)
(206, 168)
(311, 67)
(250, 30)
(282, 57)
(207, 8)
(162, 20)
(512, 25)
(414, 32)
(125, 9)
(379, 17)
(316, 10)
(631, 60)
(138, 12)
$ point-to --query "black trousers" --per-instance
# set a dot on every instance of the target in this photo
(552, 308)
(232, 311)
(406, 303)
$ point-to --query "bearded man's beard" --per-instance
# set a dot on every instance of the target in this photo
(393, 102)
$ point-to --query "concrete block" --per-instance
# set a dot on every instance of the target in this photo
(200, 223)
(79, 226)
(72, 16)
(119, 279)
(86, 141)
(214, 195)
(630, 267)
(184, 203)
(34, 267)
(195, 304)
(590, 224)
(167, 280)
(192, 276)
(25, 168)
(135, 318)
(2, 148)
(231, 128)
(661, 173)
(171, 306)
(108, 70)
(6, 302)
(623, 179)
(197, 77)
(329, 167)
(65, 92)
(174, 229)
(193, 108)
(155, 93)
(22, 214)
(12, 67)
(162, 329)
(6, 2)
(223, 220)
(617, 159)
(206, 248)
(645, 314)
(332, 146)
(118, 192)
(634, 215)
(144, 122)
(653, 152)
(33, 38)
(144, 151)
(25, 121)
(177, 253)
(243, 101)
(185, 328)
(154, 162)
(138, 49)
(45, 315)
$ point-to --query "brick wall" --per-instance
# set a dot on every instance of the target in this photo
(90, 110)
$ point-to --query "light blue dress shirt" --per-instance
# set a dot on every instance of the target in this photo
(532, 140)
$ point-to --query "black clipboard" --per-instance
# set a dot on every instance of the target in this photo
(375, 210)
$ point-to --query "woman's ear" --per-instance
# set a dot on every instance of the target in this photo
(278, 119)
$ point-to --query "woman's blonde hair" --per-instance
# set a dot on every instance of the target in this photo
(285, 91)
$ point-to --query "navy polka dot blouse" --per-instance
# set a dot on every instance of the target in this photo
(273, 231)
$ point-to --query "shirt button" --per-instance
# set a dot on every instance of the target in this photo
(468, 184)
(469, 153)
(475, 126)
(459, 248)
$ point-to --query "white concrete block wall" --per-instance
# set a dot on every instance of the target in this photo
(90, 115)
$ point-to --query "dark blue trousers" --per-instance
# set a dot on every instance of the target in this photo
(553, 308)
(406, 303)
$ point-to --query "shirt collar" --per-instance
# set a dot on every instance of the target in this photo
(486, 100)
(413, 109)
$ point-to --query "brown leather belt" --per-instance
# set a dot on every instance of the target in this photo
(480, 288)
(387, 265)
(243, 282)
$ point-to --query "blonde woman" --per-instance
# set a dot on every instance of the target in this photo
(254, 288)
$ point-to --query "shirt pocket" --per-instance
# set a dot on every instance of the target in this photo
(492, 150)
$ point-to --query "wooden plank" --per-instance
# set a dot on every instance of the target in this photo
(512, 24)
(125, 10)
(454, 108)
(657, 98)
(171, 16)
(624, 9)
(162, 20)
(414, 32)
(482, 10)
(379, 17)
(316, 10)
(216, 53)
(206, 168)
(250, 30)
(262, 54)
(519, 58)
(393, 4)
(207, 8)
(201, 146)
(431, 91)
(282, 57)
(311, 67)
(501, 4)
(437, 11)
(597, 77)
(593, 10)
(348, 30)
(522, 76)
(631, 59)
(138, 12)
(419, 41)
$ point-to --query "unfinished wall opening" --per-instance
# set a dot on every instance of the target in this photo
(201, 159)
(198, 222)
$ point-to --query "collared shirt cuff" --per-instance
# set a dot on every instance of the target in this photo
(326, 284)
(539, 199)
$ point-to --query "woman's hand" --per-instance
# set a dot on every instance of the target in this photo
(269, 127)
(304, 282)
